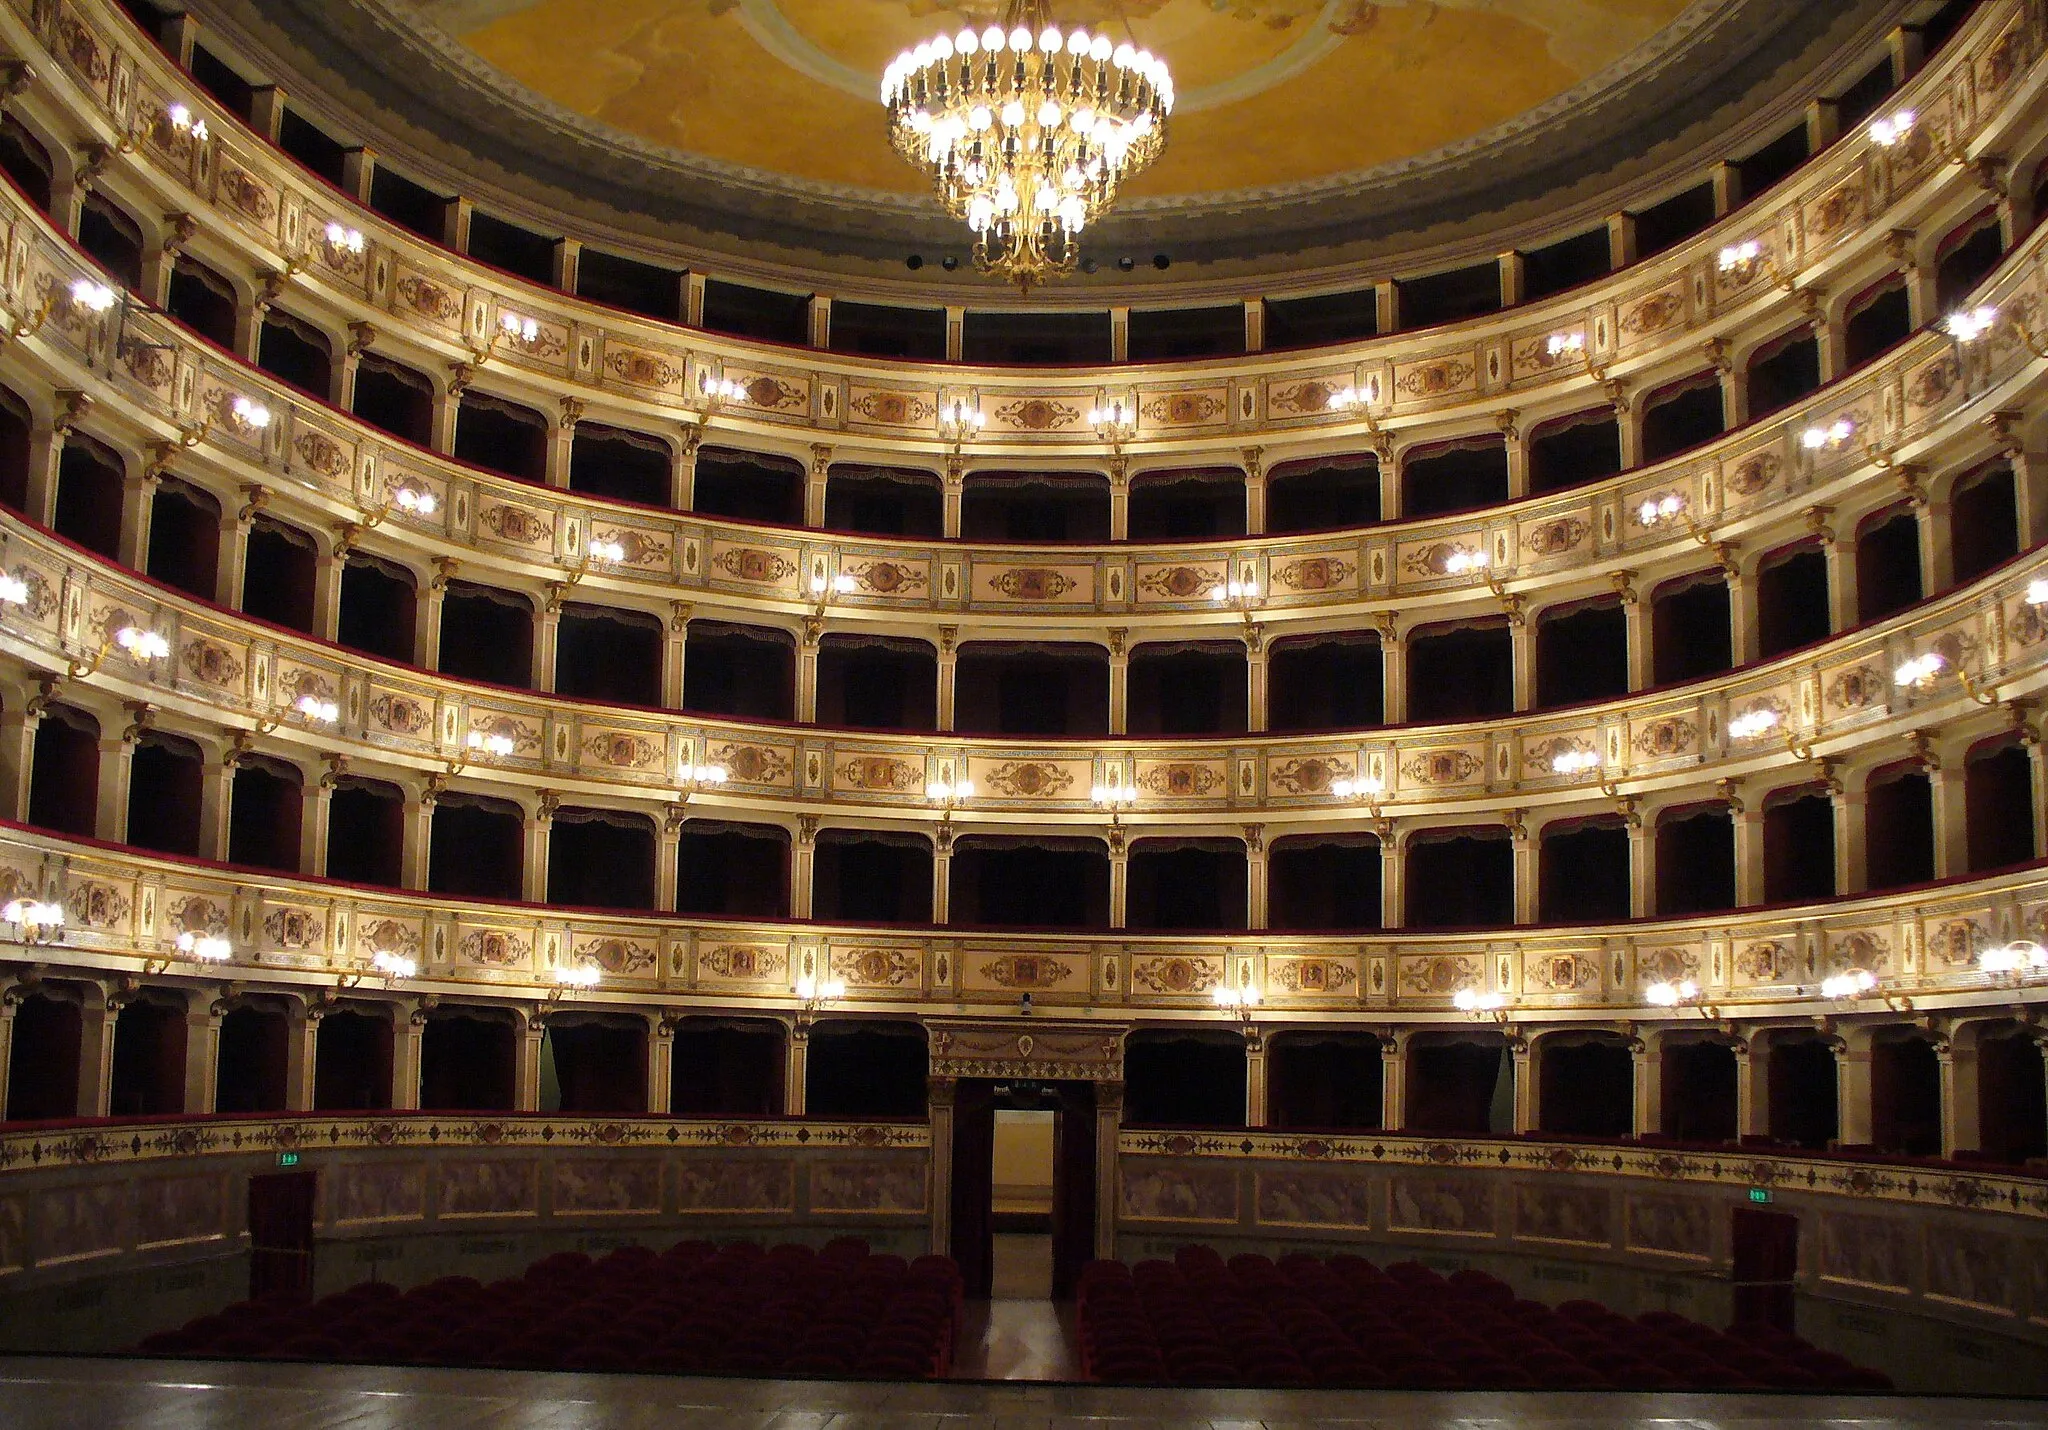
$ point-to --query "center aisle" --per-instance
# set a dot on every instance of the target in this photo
(1021, 1333)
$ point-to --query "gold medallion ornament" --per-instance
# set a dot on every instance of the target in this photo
(1027, 131)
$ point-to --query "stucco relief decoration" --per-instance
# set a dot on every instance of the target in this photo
(1315, 573)
(888, 578)
(82, 48)
(1310, 776)
(98, 905)
(640, 548)
(745, 563)
(1434, 379)
(616, 1185)
(430, 299)
(1539, 757)
(521, 526)
(1186, 409)
(1860, 948)
(210, 662)
(894, 409)
(41, 601)
(2025, 625)
(1767, 961)
(1434, 558)
(746, 962)
(1929, 385)
(1955, 943)
(150, 365)
(636, 368)
(1971, 1268)
(1180, 780)
(1835, 211)
(1180, 583)
(488, 1187)
(1027, 970)
(525, 736)
(1577, 1216)
(322, 454)
(621, 956)
(1032, 583)
(879, 1188)
(877, 773)
(1173, 975)
(772, 394)
(623, 749)
(1038, 414)
(1676, 1226)
(1461, 1207)
(1555, 538)
(1855, 689)
(242, 189)
(1653, 314)
(549, 340)
(1442, 767)
(1754, 473)
(197, 914)
(1185, 1193)
(1666, 965)
(496, 948)
(726, 1184)
(294, 928)
(1441, 976)
(878, 967)
(1562, 972)
(1030, 779)
(754, 764)
(388, 936)
(1304, 1197)
(1663, 739)
(1304, 399)
(401, 714)
(1312, 976)
(169, 1210)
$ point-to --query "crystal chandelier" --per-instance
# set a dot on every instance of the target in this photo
(1027, 131)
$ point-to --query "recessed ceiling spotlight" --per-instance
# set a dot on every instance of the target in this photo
(1126, 263)
(914, 262)
(1161, 262)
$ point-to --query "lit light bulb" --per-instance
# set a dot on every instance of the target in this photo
(1368, 786)
(94, 297)
(394, 965)
(142, 644)
(1848, 985)
(205, 948)
(250, 413)
(1670, 995)
(13, 590)
(324, 712)
(582, 975)
(607, 550)
(1970, 324)
(1920, 669)
(1575, 762)
(1757, 722)
(411, 499)
(1887, 132)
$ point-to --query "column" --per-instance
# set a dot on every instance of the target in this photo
(1394, 1082)
(1734, 397)
(1743, 635)
(1119, 880)
(661, 1050)
(447, 410)
(17, 768)
(1937, 547)
(1646, 1062)
(1642, 868)
(45, 456)
(1637, 626)
(358, 173)
(202, 1054)
(138, 505)
(1830, 336)
(1386, 307)
(7, 1007)
(419, 835)
(668, 848)
(821, 321)
(949, 675)
(1119, 681)
(802, 862)
(2037, 762)
(426, 618)
(942, 875)
(1528, 1096)
(327, 571)
(540, 827)
(1254, 1081)
(1394, 679)
(1823, 124)
(1254, 488)
(1513, 278)
(302, 1044)
(409, 1028)
(233, 561)
(526, 1066)
(1621, 240)
(1527, 853)
(2030, 489)
(266, 110)
(97, 1025)
(956, 332)
(682, 471)
(1951, 821)
(1109, 1116)
(547, 640)
(1393, 878)
(674, 650)
(1254, 326)
(1518, 460)
(1752, 1087)
(1522, 656)
(1727, 181)
(561, 457)
(1120, 334)
(455, 217)
(1850, 867)
(693, 299)
(566, 261)
(796, 1069)
(807, 669)
(814, 487)
(1843, 598)
(316, 799)
(1628, 424)
(955, 485)
(1257, 883)
(1257, 672)
(1749, 856)
(216, 805)
(1119, 501)
(940, 1093)
(1852, 1088)
(117, 761)
(1960, 1125)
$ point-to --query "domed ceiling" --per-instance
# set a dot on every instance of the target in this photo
(1303, 126)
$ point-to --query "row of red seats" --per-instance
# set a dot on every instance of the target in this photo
(694, 1309)
(1198, 1320)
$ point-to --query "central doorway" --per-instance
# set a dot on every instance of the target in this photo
(1042, 1135)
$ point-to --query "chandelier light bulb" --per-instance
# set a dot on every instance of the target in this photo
(1827, 435)
(94, 298)
(581, 975)
(2025, 956)
(323, 712)
(419, 503)
(498, 745)
(1461, 563)
(1367, 787)
(2037, 593)
(1970, 324)
(1740, 255)
(250, 413)
(612, 552)
(1855, 982)
(1575, 762)
(393, 965)
(1670, 995)
(13, 590)
(183, 122)
(1887, 132)
(142, 644)
(348, 240)
(1755, 723)
(1920, 670)
(1561, 344)
(1468, 1000)
(205, 949)
(33, 914)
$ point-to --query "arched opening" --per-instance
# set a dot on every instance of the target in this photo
(366, 832)
(1586, 1085)
(1905, 1094)
(1035, 881)
(1031, 688)
(166, 776)
(1898, 827)
(64, 780)
(735, 871)
(885, 501)
(379, 608)
(280, 574)
(867, 1068)
(1572, 451)
(203, 301)
(1460, 877)
(2012, 1096)
(877, 683)
(255, 1059)
(1687, 414)
(1799, 845)
(1185, 884)
(1999, 801)
(1699, 1084)
(594, 1063)
(294, 351)
(1585, 871)
(1792, 607)
(1695, 861)
(148, 1073)
(1691, 631)
(477, 849)
(1804, 1104)
(1035, 506)
(1581, 652)
(1875, 321)
(17, 431)
(1783, 371)
(746, 672)
(90, 483)
(393, 398)
(1984, 521)
(502, 437)
(1187, 688)
(1967, 257)
(618, 465)
(352, 1061)
(1460, 1083)
(265, 814)
(605, 653)
(184, 538)
(749, 486)
(1461, 671)
(728, 1067)
(1888, 574)
(1324, 1081)
(1196, 504)
(24, 160)
(1446, 477)
(601, 859)
(469, 1062)
(1324, 883)
(1176, 1077)
(871, 876)
(43, 1061)
(1323, 494)
(1335, 680)
(487, 635)
(111, 238)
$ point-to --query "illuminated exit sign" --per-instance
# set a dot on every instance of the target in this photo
(291, 1159)
(1760, 1195)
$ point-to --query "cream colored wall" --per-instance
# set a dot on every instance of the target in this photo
(1023, 1162)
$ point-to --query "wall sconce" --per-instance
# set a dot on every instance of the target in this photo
(814, 995)
(521, 332)
(1366, 789)
(1922, 672)
(1243, 1002)
(481, 742)
(1854, 984)
(83, 297)
(2014, 963)
(1116, 798)
(1828, 436)
(1746, 260)
(1683, 994)
(205, 948)
(1573, 346)
(1482, 1006)
(575, 978)
(1573, 763)
(949, 795)
(391, 967)
(824, 588)
(313, 709)
(143, 646)
(691, 778)
(959, 423)
(185, 124)
(1970, 326)
(1757, 723)
(37, 923)
(1238, 594)
(598, 555)
(2037, 593)
(245, 415)
(715, 390)
(1463, 562)
(1115, 422)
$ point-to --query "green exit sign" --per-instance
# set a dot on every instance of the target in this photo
(291, 1159)
(1760, 1195)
